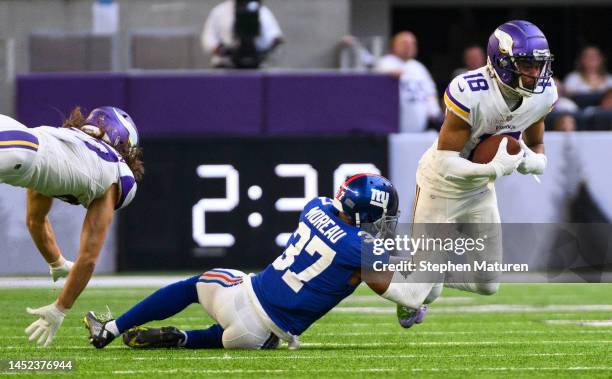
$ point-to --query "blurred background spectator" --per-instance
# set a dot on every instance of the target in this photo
(590, 76)
(473, 57)
(419, 103)
(240, 34)
(606, 100)
(565, 122)
(403, 48)
(564, 103)
(354, 55)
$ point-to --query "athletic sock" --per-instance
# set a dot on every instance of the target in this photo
(111, 326)
(210, 338)
(163, 303)
(58, 263)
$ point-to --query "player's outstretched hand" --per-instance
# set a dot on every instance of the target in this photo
(503, 162)
(533, 163)
(44, 329)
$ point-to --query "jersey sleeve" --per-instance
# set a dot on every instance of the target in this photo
(458, 100)
(551, 97)
(127, 187)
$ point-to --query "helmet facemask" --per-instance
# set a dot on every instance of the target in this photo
(521, 67)
(386, 225)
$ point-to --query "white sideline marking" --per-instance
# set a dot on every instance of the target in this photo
(352, 370)
(357, 357)
(356, 299)
(372, 344)
(226, 357)
(418, 333)
(455, 343)
(598, 323)
(97, 281)
(492, 308)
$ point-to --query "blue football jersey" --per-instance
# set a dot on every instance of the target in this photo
(312, 275)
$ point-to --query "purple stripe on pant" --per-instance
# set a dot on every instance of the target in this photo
(18, 135)
(18, 146)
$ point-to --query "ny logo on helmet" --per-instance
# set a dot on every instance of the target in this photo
(380, 198)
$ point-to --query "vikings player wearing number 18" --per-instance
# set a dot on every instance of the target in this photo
(93, 162)
(511, 95)
(320, 266)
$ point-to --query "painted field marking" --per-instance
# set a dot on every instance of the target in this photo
(597, 323)
(492, 308)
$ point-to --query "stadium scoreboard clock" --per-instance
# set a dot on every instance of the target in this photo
(233, 201)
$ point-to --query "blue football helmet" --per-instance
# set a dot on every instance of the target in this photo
(369, 199)
(116, 124)
(519, 43)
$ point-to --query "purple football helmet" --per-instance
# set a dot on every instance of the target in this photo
(118, 127)
(519, 48)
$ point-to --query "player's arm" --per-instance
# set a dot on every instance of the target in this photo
(97, 221)
(454, 135)
(392, 285)
(532, 144)
(39, 226)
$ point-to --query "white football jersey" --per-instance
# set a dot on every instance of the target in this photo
(475, 97)
(75, 167)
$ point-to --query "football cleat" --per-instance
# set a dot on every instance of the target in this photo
(98, 335)
(142, 337)
(408, 317)
(60, 272)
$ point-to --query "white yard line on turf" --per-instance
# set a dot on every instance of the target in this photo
(301, 356)
(380, 344)
(456, 343)
(492, 308)
(356, 299)
(350, 370)
(417, 333)
(97, 281)
(598, 323)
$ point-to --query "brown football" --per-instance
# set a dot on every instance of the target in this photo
(486, 150)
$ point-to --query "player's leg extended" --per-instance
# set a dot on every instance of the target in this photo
(223, 296)
(160, 305)
(481, 211)
(426, 209)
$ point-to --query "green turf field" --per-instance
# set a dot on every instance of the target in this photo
(523, 331)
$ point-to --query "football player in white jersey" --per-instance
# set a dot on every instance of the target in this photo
(511, 95)
(94, 162)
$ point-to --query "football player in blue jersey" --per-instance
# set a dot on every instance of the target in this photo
(320, 266)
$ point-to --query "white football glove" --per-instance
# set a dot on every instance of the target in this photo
(44, 329)
(533, 163)
(504, 163)
(62, 271)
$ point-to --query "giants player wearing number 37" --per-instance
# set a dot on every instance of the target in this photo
(321, 265)
(92, 161)
(511, 95)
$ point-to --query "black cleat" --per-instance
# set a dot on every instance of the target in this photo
(98, 335)
(149, 338)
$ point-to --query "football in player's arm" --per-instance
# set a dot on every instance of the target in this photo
(320, 266)
(92, 161)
